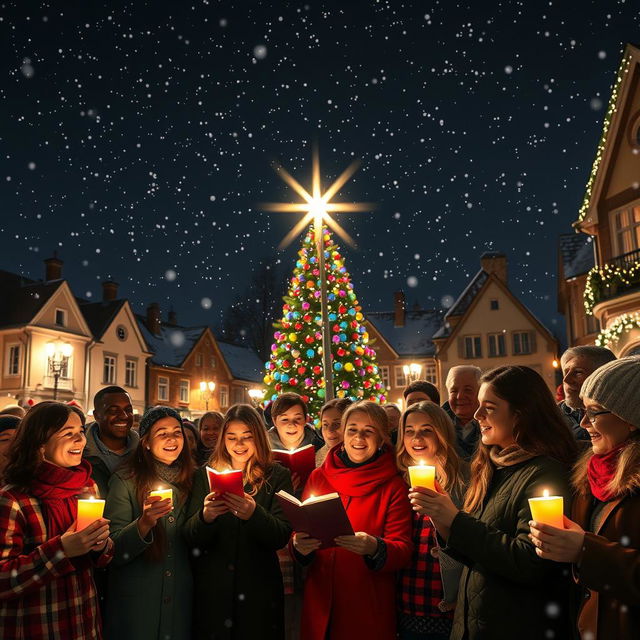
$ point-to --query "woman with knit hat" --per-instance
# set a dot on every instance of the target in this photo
(149, 582)
(602, 539)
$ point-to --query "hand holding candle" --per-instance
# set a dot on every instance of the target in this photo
(88, 512)
(423, 475)
(163, 494)
(548, 509)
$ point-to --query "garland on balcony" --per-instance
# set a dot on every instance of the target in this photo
(608, 275)
(611, 110)
(625, 322)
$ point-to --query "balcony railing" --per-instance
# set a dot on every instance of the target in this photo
(618, 277)
(626, 260)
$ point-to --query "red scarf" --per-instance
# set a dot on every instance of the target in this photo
(602, 467)
(57, 488)
(362, 480)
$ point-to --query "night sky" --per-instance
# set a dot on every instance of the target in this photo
(137, 139)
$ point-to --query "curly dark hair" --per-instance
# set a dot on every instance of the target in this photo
(40, 423)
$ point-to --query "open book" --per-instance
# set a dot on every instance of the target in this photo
(301, 461)
(322, 517)
(223, 481)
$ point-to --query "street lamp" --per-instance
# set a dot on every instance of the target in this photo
(412, 371)
(58, 354)
(206, 391)
(256, 396)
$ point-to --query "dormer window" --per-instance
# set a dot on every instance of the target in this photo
(61, 318)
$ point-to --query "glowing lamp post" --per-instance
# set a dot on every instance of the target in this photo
(58, 354)
(412, 372)
(206, 392)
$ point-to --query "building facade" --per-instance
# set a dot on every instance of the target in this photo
(610, 214)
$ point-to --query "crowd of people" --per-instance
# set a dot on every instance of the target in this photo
(462, 559)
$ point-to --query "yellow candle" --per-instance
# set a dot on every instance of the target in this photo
(423, 475)
(163, 493)
(88, 512)
(547, 510)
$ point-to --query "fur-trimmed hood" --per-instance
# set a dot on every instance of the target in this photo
(627, 476)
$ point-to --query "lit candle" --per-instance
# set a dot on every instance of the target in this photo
(423, 475)
(547, 509)
(88, 512)
(163, 493)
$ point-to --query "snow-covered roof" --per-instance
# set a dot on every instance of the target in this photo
(460, 306)
(414, 338)
(576, 251)
(243, 362)
(173, 345)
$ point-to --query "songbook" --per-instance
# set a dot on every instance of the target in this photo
(322, 517)
(301, 461)
(226, 481)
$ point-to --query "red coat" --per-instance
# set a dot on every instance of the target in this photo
(340, 588)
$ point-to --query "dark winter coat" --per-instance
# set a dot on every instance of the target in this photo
(507, 591)
(146, 600)
(238, 591)
(573, 417)
(609, 569)
(465, 446)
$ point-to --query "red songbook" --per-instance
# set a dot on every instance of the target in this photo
(223, 481)
(301, 461)
(322, 517)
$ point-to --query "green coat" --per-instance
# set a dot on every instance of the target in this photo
(507, 591)
(146, 600)
(238, 585)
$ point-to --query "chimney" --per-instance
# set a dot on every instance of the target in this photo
(172, 317)
(153, 318)
(53, 268)
(494, 262)
(109, 290)
(399, 307)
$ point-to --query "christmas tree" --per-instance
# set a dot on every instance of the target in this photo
(296, 354)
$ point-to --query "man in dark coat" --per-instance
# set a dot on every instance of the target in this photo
(462, 385)
(578, 363)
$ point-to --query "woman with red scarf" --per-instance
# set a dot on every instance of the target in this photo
(350, 590)
(603, 538)
(46, 567)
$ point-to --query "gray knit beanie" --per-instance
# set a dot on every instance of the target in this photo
(616, 386)
(151, 416)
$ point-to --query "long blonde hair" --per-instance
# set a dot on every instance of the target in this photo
(259, 464)
(447, 459)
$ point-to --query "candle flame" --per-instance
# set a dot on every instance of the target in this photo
(545, 493)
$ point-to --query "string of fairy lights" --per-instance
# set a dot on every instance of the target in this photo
(607, 275)
(625, 65)
(622, 324)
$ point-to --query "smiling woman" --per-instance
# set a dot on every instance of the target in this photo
(149, 583)
(41, 554)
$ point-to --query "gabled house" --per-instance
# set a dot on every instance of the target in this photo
(402, 338)
(41, 325)
(185, 357)
(489, 326)
(610, 213)
(118, 352)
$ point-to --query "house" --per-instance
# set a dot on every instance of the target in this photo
(118, 352)
(610, 214)
(44, 339)
(402, 338)
(489, 326)
(193, 372)
(575, 260)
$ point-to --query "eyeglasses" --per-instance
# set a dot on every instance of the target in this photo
(591, 415)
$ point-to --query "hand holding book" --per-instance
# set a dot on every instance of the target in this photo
(213, 507)
(304, 544)
(361, 543)
(241, 507)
